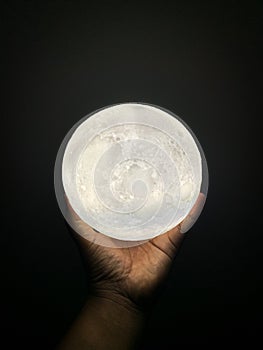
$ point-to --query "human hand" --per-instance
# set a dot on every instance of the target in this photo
(124, 281)
(132, 275)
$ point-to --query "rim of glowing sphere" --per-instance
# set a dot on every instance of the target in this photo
(58, 183)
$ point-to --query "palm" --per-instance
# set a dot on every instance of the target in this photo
(134, 272)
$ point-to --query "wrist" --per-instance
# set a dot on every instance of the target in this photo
(116, 299)
(117, 321)
(106, 322)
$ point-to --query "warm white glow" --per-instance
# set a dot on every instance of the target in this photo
(132, 171)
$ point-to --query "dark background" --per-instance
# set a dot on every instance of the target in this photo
(201, 60)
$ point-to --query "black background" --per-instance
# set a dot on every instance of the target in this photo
(201, 60)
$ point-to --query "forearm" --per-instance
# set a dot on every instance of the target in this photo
(104, 323)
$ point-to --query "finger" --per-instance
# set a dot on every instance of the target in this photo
(78, 225)
(85, 234)
(191, 218)
(169, 242)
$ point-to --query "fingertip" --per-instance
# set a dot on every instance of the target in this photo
(195, 212)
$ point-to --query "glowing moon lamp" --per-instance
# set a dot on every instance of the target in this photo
(129, 172)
